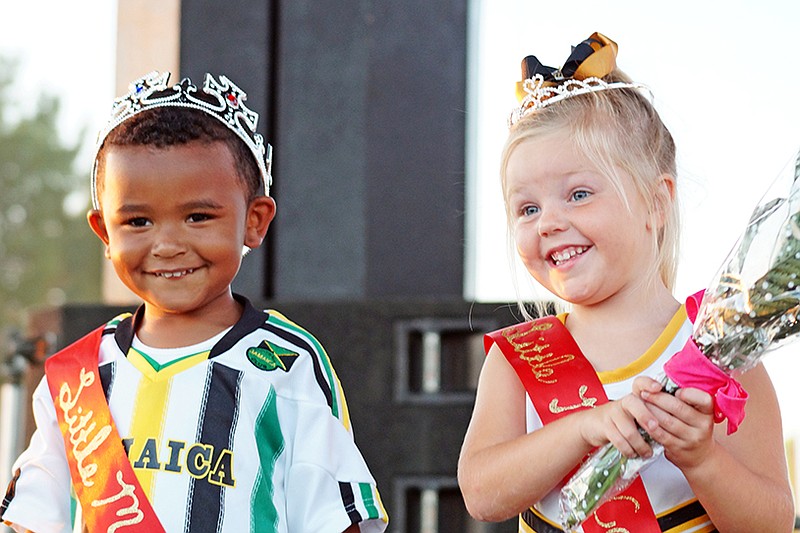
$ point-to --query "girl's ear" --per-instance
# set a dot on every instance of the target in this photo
(98, 225)
(260, 213)
(663, 200)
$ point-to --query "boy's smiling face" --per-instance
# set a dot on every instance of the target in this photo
(174, 221)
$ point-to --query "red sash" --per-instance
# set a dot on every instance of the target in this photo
(104, 481)
(560, 380)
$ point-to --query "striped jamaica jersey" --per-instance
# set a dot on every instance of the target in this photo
(249, 432)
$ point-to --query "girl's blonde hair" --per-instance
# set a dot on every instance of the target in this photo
(616, 129)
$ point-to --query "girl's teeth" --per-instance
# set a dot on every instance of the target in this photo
(568, 253)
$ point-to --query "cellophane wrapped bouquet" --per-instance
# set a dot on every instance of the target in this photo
(750, 309)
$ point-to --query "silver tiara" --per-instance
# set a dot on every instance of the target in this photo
(540, 94)
(223, 100)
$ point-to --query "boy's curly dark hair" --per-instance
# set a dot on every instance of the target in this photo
(168, 126)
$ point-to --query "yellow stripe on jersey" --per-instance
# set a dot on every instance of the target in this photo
(342, 401)
(691, 524)
(147, 427)
(155, 372)
(152, 398)
(384, 515)
(524, 528)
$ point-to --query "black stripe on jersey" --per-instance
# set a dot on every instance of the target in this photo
(12, 489)
(218, 415)
(107, 373)
(319, 374)
(250, 321)
(681, 515)
(349, 501)
(537, 523)
(126, 329)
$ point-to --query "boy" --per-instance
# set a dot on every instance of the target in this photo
(198, 413)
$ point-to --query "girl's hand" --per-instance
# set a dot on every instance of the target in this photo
(685, 421)
(618, 422)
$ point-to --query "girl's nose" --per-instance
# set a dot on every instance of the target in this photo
(552, 220)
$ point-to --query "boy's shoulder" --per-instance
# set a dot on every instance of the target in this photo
(288, 348)
(281, 343)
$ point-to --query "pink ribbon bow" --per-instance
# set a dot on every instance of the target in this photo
(691, 368)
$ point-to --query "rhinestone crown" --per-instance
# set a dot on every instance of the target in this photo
(223, 100)
(539, 93)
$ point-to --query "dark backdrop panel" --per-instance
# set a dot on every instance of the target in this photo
(364, 105)
(234, 38)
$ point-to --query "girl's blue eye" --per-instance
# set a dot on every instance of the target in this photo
(529, 210)
(580, 195)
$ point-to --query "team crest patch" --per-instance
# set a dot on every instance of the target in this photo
(267, 356)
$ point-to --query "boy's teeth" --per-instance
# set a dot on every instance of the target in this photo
(176, 274)
(567, 253)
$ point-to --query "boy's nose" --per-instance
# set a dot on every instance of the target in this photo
(168, 243)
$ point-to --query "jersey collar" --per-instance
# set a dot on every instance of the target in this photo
(250, 321)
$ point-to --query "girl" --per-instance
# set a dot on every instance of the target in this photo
(588, 176)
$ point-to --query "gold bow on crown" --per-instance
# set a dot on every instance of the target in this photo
(589, 62)
(595, 57)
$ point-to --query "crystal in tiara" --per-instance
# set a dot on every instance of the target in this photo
(223, 100)
(539, 95)
(582, 73)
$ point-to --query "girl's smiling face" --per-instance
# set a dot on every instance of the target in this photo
(573, 230)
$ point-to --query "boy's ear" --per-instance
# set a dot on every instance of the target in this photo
(260, 213)
(98, 225)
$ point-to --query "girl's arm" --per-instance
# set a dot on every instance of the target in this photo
(503, 470)
(741, 479)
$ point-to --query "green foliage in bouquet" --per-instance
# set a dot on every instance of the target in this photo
(742, 320)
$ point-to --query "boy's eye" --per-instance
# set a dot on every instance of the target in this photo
(198, 217)
(580, 195)
(138, 222)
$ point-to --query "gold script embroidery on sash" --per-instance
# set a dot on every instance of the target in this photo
(81, 426)
(611, 526)
(585, 402)
(534, 351)
(125, 490)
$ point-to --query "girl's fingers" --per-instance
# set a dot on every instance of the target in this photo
(699, 400)
(644, 383)
(633, 415)
(686, 404)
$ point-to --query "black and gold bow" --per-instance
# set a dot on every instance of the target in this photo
(595, 57)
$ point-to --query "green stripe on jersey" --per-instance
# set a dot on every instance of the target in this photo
(269, 439)
(369, 500)
(323, 356)
(114, 322)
